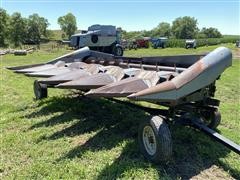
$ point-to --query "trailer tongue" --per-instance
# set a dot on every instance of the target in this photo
(185, 84)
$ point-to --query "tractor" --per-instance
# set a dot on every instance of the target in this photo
(159, 42)
(143, 42)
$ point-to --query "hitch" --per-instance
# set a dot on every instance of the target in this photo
(213, 134)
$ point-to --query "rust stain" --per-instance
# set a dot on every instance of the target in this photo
(165, 86)
(121, 88)
(189, 74)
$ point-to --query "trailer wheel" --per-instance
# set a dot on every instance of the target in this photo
(40, 90)
(118, 51)
(212, 118)
(155, 140)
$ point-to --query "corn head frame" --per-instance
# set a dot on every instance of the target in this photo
(185, 84)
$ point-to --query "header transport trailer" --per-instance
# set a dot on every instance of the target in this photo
(185, 84)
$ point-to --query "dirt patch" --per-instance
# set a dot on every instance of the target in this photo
(213, 172)
(236, 54)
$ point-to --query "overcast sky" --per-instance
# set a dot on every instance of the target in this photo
(133, 14)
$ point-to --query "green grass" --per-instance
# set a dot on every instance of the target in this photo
(172, 51)
(68, 136)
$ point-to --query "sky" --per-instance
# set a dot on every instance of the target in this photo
(133, 15)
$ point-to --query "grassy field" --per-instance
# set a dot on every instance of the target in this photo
(68, 136)
(172, 51)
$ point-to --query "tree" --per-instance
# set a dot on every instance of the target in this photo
(211, 32)
(36, 28)
(185, 27)
(68, 24)
(131, 34)
(4, 19)
(18, 29)
(163, 29)
(201, 35)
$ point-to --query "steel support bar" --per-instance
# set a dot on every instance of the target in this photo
(152, 67)
(223, 140)
(150, 110)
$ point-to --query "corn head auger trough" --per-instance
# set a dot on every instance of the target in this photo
(185, 84)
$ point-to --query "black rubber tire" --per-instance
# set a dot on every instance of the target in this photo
(215, 119)
(212, 118)
(40, 90)
(163, 140)
(118, 51)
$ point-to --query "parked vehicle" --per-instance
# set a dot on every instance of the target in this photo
(132, 45)
(238, 43)
(159, 42)
(143, 42)
(191, 43)
(104, 38)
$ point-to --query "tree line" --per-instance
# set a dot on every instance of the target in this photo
(181, 28)
(17, 30)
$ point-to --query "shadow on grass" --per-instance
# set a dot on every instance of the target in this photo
(114, 123)
(91, 115)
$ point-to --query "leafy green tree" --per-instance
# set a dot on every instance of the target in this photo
(163, 29)
(49, 34)
(4, 19)
(201, 35)
(68, 24)
(185, 27)
(18, 29)
(36, 28)
(130, 34)
(211, 32)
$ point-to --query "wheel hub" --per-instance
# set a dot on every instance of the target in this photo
(149, 140)
(119, 51)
